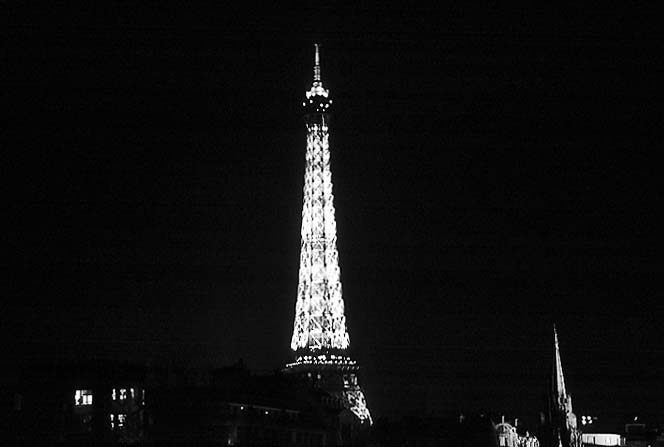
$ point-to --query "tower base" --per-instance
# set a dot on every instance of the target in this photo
(337, 376)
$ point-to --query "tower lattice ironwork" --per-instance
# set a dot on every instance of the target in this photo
(320, 338)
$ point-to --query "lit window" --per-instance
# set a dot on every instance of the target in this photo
(132, 392)
(112, 416)
(123, 393)
(121, 420)
(83, 397)
(114, 394)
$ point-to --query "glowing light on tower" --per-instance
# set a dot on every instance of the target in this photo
(320, 323)
(320, 338)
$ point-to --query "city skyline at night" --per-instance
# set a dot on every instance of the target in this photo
(493, 176)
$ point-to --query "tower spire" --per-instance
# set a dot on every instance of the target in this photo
(317, 65)
(317, 96)
(559, 378)
(562, 417)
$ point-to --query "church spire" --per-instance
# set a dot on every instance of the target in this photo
(566, 433)
(558, 377)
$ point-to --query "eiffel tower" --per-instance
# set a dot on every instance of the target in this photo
(320, 339)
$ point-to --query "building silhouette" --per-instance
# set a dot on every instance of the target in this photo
(508, 436)
(79, 403)
(104, 403)
(461, 430)
(559, 427)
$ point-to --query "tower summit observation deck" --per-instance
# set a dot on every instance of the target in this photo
(320, 338)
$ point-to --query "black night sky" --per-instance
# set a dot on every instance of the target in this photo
(493, 167)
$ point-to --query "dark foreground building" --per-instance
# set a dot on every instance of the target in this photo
(109, 404)
(473, 430)
(77, 404)
(237, 408)
(102, 403)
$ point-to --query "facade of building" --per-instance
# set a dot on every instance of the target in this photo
(118, 404)
(320, 338)
(508, 436)
(237, 408)
(462, 430)
(639, 434)
(602, 439)
(80, 403)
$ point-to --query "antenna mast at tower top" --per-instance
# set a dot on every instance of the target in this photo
(317, 65)
(317, 88)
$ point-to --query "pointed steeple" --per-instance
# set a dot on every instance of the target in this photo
(562, 415)
(558, 377)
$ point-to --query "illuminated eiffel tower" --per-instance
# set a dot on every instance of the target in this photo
(320, 339)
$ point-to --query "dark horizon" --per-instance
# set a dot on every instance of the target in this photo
(493, 175)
